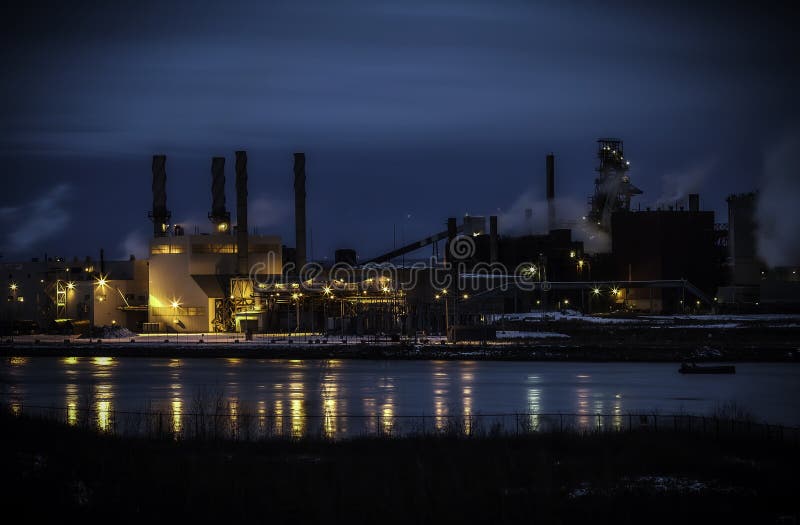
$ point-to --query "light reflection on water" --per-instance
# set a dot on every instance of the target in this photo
(467, 379)
(440, 392)
(297, 396)
(534, 400)
(334, 398)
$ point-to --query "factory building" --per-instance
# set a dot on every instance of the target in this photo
(665, 244)
(190, 279)
(753, 285)
(190, 275)
(59, 295)
(669, 259)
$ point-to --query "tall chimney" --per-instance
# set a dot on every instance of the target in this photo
(300, 209)
(241, 211)
(160, 214)
(694, 202)
(219, 215)
(551, 192)
(493, 238)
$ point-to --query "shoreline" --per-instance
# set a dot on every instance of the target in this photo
(675, 352)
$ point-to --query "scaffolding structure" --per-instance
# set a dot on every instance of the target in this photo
(612, 187)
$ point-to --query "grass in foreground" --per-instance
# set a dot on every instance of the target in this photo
(637, 477)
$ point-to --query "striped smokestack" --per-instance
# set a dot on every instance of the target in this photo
(160, 214)
(551, 192)
(241, 211)
(493, 238)
(219, 214)
(300, 209)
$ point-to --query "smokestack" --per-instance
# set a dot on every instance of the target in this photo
(694, 202)
(493, 238)
(241, 211)
(300, 209)
(551, 192)
(219, 215)
(159, 214)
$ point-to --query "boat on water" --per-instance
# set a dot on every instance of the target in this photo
(692, 368)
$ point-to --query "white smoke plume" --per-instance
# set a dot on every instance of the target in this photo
(264, 212)
(570, 213)
(45, 217)
(136, 244)
(777, 209)
(676, 186)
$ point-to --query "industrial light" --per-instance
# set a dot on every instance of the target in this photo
(326, 290)
(572, 254)
(566, 301)
(70, 285)
(444, 291)
(596, 291)
(13, 287)
(295, 296)
(223, 227)
(466, 296)
(580, 263)
(101, 281)
(436, 296)
(615, 291)
(175, 304)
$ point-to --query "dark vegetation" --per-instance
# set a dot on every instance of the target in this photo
(54, 471)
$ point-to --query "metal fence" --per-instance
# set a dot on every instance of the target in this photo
(227, 422)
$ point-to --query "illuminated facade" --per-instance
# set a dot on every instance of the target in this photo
(190, 276)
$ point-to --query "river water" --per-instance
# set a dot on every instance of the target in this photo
(346, 397)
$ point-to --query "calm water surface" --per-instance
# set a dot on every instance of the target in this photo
(344, 391)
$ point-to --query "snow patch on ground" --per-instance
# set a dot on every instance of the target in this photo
(513, 334)
(726, 317)
(565, 315)
(712, 325)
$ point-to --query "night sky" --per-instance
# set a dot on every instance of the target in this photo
(409, 112)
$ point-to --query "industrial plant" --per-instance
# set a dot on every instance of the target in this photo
(675, 258)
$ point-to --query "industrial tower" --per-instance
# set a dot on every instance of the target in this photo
(612, 187)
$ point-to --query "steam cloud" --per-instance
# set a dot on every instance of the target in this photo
(677, 186)
(777, 210)
(135, 243)
(569, 214)
(45, 217)
(264, 212)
